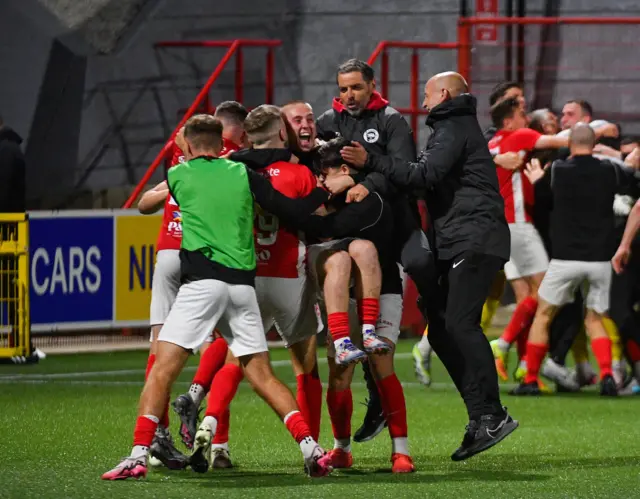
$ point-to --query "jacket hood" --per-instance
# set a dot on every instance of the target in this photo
(10, 134)
(462, 105)
(260, 158)
(376, 102)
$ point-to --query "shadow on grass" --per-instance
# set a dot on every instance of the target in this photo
(499, 468)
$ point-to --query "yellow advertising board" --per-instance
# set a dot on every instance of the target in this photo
(135, 241)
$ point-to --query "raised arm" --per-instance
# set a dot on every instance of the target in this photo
(152, 200)
(290, 211)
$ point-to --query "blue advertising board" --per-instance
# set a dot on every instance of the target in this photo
(71, 267)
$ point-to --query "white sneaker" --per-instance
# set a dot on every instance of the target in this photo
(348, 353)
(201, 456)
(220, 458)
(560, 374)
(319, 463)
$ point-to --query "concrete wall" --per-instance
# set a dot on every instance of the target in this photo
(132, 98)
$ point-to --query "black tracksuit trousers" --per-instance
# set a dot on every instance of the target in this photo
(454, 309)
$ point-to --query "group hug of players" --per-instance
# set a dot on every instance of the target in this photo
(288, 225)
(579, 225)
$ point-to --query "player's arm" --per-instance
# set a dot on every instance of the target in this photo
(347, 221)
(508, 160)
(552, 141)
(290, 211)
(433, 164)
(152, 200)
(623, 253)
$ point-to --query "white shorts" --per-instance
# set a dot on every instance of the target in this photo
(388, 325)
(165, 285)
(565, 276)
(290, 304)
(528, 256)
(202, 305)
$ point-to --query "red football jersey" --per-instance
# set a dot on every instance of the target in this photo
(515, 187)
(280, 252)
(170, 236)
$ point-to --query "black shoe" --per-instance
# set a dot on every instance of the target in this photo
(374, 420)
(484, 434)
(608, 387)
(526, 389)
(185, 407)
(163, 449)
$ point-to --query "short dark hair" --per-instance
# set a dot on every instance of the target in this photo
(503, 110)
(498, 92)
(356, 65)
(631, 139)
(203, 131)
(231, 110)
(328, 155)
(584, 105)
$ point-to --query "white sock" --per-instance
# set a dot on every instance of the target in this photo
(342, 443)
(196, 392)
(424, 346)
(523, 364)
(307, 446)
(616, 365)
(224, 446)
(211, 421)
(503, 345)
(400, 445)
(140, 452)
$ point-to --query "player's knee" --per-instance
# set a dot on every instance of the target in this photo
(591, 319)
(339, 262)
(257, 368)
(363, 251)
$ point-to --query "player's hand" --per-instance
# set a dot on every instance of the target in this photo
(620, 259)
(355, 154)
(180, 140)
(606, 151)
(509, 160)
(534, 170)
(336, 185)
(357, 193)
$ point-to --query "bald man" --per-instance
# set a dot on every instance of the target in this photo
(470, 238)
(583, 241)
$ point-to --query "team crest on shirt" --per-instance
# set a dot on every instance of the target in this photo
(371, 135)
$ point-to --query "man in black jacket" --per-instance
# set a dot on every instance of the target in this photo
(471, 243)
(379, 136)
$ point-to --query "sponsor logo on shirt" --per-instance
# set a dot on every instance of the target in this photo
(175, 224)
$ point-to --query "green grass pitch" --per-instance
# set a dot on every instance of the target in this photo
(68, 420)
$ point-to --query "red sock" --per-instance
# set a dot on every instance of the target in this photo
(309, 398)
(368, 311)
(150, 361)
(211, 361)
(297, 426)
(340, 406)
(521, 343)
(338, 323)
(223, 389)
(222, 430)
(393, 404)
(602, 352)
(633, 349)
(144, 431)
(535, 356)
(521, 319)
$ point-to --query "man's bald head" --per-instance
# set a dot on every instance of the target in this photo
(442, 87)
(582, 139)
